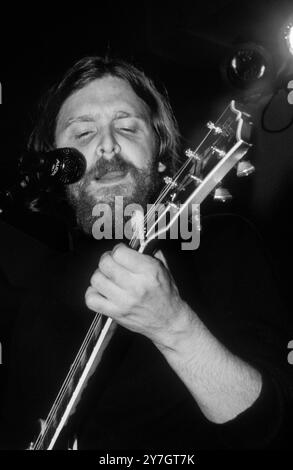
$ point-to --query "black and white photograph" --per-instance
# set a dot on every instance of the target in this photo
(146, 235)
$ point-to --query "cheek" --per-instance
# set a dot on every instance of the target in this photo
(140, 154)
(89, 154)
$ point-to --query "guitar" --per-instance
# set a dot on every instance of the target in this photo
(225, 144)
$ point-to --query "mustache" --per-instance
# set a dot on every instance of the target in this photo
(103, 167)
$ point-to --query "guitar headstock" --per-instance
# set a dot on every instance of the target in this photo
(225, 144)
(222, 148)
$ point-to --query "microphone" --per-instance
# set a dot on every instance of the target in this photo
(40, 170)
(63, 165)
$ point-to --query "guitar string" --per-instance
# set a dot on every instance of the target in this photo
(87, 340)
(72, 371)
(165, 191)
(152, 211)
(98, 316)
(74, 367)
(75, 364)
(59, 397)
(89, 334)
(169, 186)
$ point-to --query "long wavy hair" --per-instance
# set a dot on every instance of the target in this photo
(42, 138)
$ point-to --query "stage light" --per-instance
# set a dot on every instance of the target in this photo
(249, 67)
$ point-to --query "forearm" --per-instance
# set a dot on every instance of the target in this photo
(139, 293)
(222, 384)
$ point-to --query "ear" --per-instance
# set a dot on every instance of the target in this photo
(161, 167)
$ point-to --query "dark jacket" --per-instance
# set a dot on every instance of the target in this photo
(135, 400)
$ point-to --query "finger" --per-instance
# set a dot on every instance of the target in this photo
(106, 287)
(98, 303)
(114, 271)
(131, 259)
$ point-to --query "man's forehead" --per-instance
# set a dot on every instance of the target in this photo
(108, 93)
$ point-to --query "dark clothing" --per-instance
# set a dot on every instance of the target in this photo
(135, 400)
(21, 256)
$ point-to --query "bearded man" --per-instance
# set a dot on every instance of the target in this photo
(193, 363)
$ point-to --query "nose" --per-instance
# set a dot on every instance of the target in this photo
(107, 146)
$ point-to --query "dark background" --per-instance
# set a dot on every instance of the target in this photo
(184, 46)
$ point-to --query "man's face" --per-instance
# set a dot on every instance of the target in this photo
(110, 125)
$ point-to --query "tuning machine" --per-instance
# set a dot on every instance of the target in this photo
(215, 129)
(245, 168)
(192, 154)
(222, 194)
(196, 179)
(174, 206)
(170, 182)
(220, 153)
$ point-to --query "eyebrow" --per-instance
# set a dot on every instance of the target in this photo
(83, 118)
(125, 114)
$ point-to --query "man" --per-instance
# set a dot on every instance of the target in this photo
(192, 363)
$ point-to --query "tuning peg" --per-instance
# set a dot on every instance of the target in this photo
(195, 178)
(222, 194)
(244, 168)
(174, 206)
(214, 128)
(169, 181)
(192, 154)
(221, 153)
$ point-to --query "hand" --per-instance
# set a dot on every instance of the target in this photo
(138, 292)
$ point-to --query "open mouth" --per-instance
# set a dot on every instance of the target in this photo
(111, 176)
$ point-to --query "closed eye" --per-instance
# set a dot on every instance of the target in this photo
(127, 129)
(83, 134)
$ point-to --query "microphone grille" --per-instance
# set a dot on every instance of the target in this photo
(69, 165)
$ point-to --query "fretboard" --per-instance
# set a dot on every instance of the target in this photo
(75, 382)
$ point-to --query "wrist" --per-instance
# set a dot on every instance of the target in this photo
(183, 329)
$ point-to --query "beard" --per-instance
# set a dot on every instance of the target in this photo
(140, 188)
